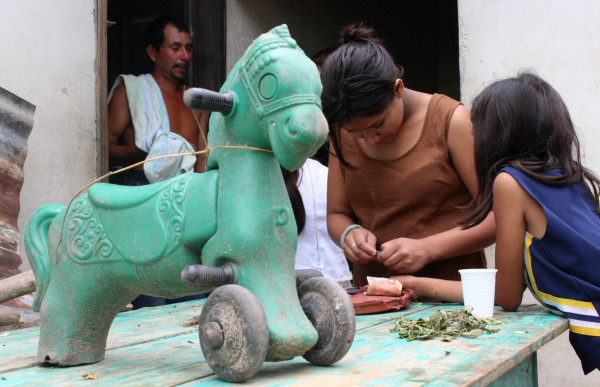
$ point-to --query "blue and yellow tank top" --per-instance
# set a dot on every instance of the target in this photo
(562, 269)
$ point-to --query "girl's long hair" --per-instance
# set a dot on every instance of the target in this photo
(358, 80)
(291, 180)
(523, 123)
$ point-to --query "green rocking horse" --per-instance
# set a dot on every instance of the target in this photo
(229, 231)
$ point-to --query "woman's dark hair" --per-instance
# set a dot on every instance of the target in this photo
(322, 154)
(321, 56)
(358, 80)
(523, 123)
(155, 32)
(291, 185)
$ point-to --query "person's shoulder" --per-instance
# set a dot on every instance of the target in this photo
(455, 112)
(442, 101)
(505, 184)
(459, 123)
(505, 177)
(123, 79)
(457, 109)
(517, 174)
(121, 83)
(120, 88)
(118, 95)
(445, 98)
(509, 196)
(461, 115)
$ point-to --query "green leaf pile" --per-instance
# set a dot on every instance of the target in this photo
(445, 325)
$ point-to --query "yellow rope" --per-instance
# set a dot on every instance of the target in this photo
(207, 150)
(197, 122)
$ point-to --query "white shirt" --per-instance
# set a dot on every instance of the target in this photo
(316, 250)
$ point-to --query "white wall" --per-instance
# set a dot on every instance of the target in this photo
(47, 56)
(560, 41)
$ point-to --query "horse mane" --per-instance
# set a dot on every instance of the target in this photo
(252, 62)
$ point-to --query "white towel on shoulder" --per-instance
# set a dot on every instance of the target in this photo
(152, 131)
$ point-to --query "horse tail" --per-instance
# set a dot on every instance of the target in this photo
(37, 248)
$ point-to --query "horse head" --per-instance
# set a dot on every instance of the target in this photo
(275, 94)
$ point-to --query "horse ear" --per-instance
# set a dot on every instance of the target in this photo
(208, 100)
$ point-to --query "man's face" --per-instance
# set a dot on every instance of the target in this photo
(173, 58)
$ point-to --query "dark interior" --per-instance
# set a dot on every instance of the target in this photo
(421, 35)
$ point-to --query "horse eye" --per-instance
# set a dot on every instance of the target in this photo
(268, 86)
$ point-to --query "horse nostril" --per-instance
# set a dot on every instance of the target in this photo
(292, 127)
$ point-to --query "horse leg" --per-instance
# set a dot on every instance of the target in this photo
(76, 315)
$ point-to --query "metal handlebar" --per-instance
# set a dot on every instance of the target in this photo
(208, 100)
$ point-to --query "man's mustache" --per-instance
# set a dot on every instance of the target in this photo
(182, 64)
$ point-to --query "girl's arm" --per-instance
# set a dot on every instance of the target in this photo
(410, 255)
(432, 289)
(510, 204)
(340, 216)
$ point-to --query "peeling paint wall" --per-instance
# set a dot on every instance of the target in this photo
(560, 41)
(47, 57)
(16, 121)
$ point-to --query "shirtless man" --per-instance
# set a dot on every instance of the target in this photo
(169, 47)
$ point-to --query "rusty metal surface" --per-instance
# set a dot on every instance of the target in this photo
(16, 121)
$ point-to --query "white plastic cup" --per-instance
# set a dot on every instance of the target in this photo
(478, 287)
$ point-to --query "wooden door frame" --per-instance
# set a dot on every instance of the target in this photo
(101, 92)
(206, 18)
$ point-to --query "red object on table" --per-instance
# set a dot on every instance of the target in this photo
(364, 304)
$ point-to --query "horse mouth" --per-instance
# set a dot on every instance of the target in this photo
(297, 138)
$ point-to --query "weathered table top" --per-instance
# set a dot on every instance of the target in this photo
(158, 346)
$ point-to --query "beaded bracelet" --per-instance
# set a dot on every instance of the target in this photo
(346, 231)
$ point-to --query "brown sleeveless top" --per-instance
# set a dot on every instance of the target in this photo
(415, 196)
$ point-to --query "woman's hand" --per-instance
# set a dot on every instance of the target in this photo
(404, 255)
(359, 246)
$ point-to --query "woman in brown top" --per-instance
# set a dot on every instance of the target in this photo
(401, 172)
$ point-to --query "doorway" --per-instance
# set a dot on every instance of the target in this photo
(127, 23)
(125, 52)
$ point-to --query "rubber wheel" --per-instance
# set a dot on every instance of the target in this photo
(330, 310)
(233, 333)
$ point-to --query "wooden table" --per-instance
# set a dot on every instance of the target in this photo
(159, 347)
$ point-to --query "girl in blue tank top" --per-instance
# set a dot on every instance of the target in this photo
(545, 205)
